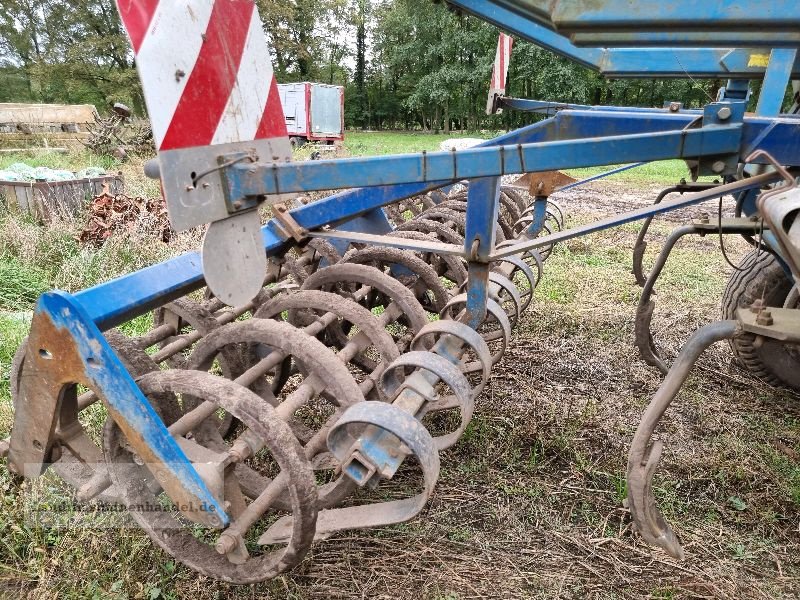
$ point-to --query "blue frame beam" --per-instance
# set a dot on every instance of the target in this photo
(627, 62)
(119, 300)
(246, 180)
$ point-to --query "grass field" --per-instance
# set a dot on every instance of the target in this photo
(529, 502)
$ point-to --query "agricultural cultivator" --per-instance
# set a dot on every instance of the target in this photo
(295, 367)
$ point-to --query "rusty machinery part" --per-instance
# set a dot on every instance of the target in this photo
(457, 219)
(415, 273)
(449, 374)
(470, 339)
(392, 422)
(645, 453)
(319, 312)
(506, 216)
(323, 254)
(312, 348)
(640, 245)
(506, 294)
(452, 268)
(407, 209)
(496, 329)
(455, 271)
(521, 226)
(77, 459)
(204, 549)
(763, 280)
(532, 258)
(782, 358)
(531, 280)
(309, 408)
(184, 317)
(374, 289)
(643, 337)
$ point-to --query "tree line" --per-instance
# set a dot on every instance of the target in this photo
(405, 64)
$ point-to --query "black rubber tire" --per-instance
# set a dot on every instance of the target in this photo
(763, 277)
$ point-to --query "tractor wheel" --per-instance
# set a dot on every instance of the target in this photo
(762, 277)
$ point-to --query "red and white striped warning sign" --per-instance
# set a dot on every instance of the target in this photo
(501, 59)
(205, 70)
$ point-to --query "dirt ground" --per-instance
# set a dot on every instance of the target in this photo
(529, 502)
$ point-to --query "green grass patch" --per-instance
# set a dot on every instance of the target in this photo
(370, 143)
(71, 161)
(664, 171)
(20, 283)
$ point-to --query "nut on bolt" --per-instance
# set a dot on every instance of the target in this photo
(724, 113)
(757, 305)
(764, 318)
(718, 166)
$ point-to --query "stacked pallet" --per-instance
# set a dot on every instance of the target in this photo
(47, 125)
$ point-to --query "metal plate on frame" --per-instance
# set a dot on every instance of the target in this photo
(234, 260)
(192, 205)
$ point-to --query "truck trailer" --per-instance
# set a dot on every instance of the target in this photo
(314, 112)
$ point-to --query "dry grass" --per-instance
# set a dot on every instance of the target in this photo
(529, 503)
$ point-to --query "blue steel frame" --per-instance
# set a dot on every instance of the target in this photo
(575, 137)
(716, 61)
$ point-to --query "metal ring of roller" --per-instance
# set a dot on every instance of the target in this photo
(470, 338)
(532, 254)
(407, 259)
(395, 291)
(549, 215)
(437, 228)
(521, 266)
(494, 309)
(455, 264)
(401, 425)
(516, 196)
(202, 321)
(172, 535)
(343, 308)
(511, 289)
(445, 215)
(340, 387)
(510, 204)
(450, 374)
(560, 217)
(503, 221)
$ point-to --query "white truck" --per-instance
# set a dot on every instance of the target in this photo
(313, 112)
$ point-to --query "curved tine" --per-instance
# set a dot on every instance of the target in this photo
(559, 210)
(550, 216)
(640, 245)
(644, 456)
(545, 251)
(792, 298)
(519, 266)
(644, 311)
(511, 289)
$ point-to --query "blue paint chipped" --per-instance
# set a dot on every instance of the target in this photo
(112, 381)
